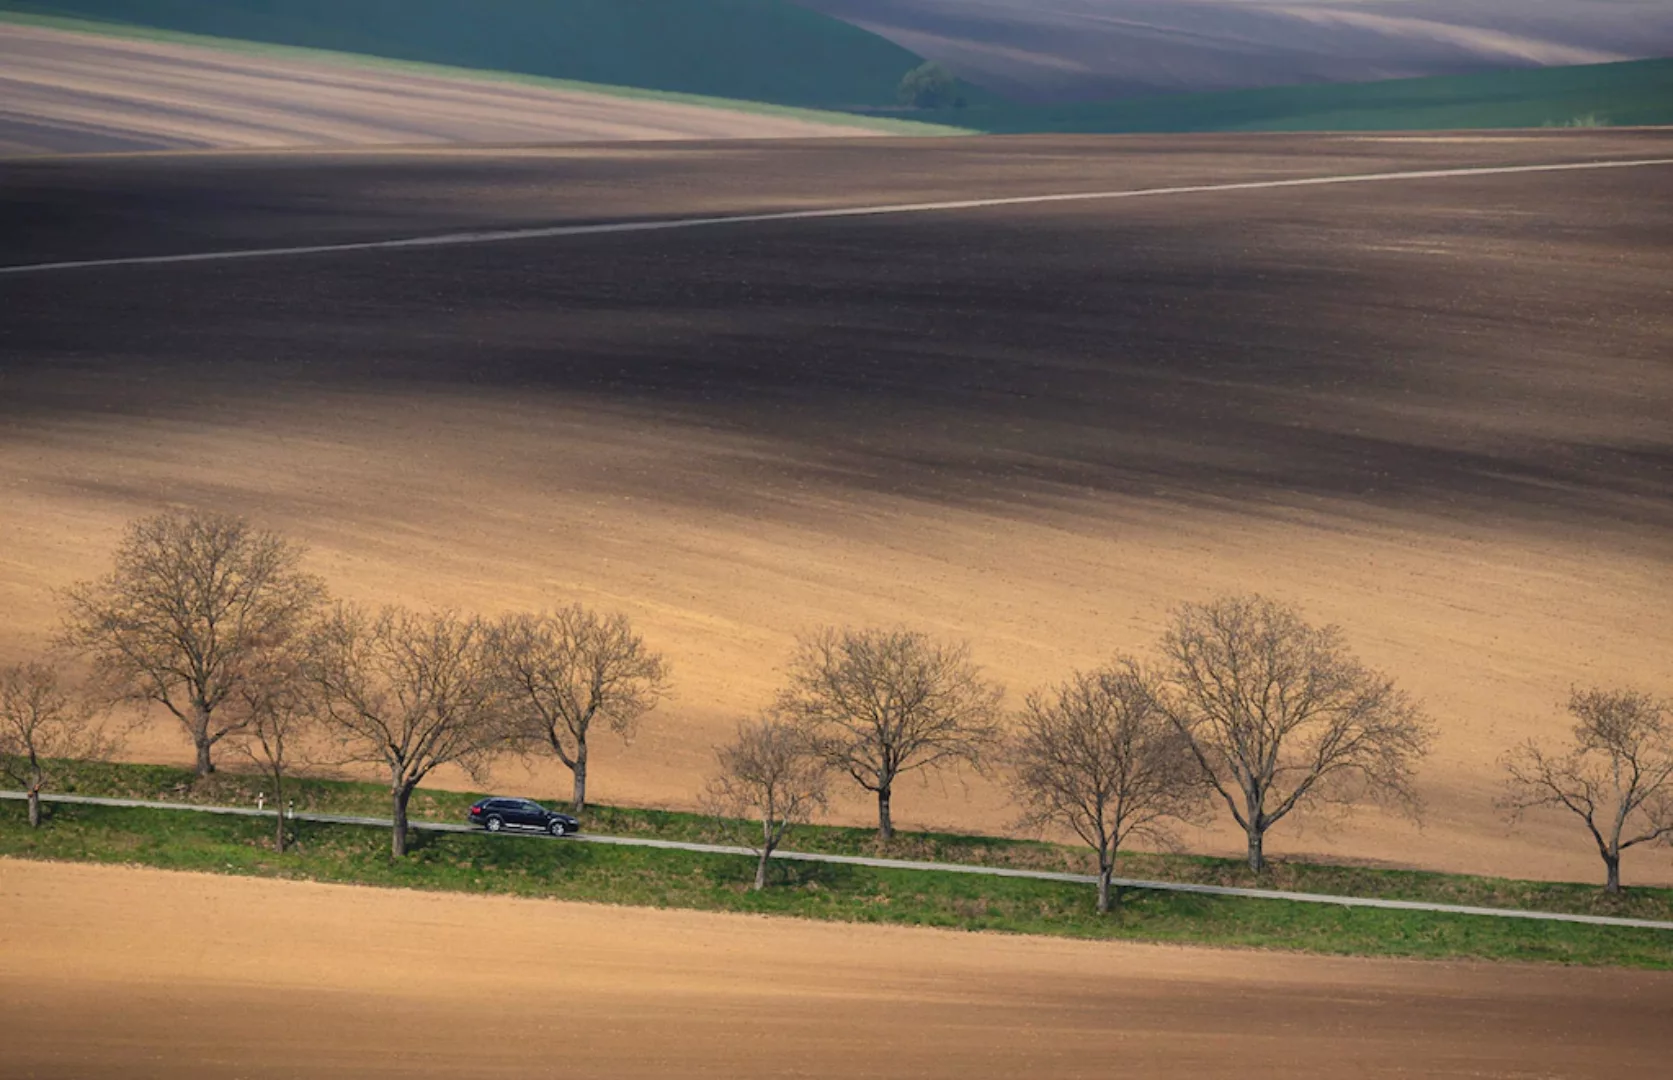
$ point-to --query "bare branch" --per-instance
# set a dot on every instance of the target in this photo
(410, 691)
(193, 600)
(1099, 756)
(565, 671)
(1279, 715)
(281, 716)
(771, 774)
(1616, 778)
(42, 723)
(880, 703)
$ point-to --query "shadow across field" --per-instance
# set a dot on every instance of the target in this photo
(1486, 346)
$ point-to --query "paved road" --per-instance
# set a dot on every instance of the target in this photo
(904, 864)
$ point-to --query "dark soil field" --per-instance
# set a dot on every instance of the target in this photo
(1435, 411)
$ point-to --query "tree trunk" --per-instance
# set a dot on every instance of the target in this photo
(279, 810)
(761, 871)
(1104, 874)
(1613, 885)
(885, 820)
(398, 835)
(205, 765)
(34, 809)
(578, 799)
(1257, 859)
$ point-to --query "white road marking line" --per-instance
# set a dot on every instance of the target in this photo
(496, 236)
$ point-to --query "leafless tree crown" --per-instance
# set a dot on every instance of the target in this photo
(771, 773)
(281, 716)
(193, 601)
(1616, 776)
(1099, 756)
(40, 723)
(880, 703)
(1279, 714)
(408, 690)
(566, 671)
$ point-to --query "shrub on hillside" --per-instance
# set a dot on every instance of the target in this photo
(930, 86)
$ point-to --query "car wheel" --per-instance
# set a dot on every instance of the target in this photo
(494, 824)
(558, 828)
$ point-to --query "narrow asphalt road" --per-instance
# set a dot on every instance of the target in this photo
(903, 864)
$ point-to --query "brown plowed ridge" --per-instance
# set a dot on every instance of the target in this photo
(131, 974)
(1435, 412)
(68, 92)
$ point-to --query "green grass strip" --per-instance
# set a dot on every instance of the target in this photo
(561, 870)
(162, 783)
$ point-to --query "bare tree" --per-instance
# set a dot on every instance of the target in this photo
(1280, 715)
(770, 773)
(41, 722)
(880, 703)
(280, 716)
(567, 669)
(409, 691)
(194, 599)
(1617, 778)
(1099, 756)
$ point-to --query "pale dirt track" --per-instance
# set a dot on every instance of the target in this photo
(131, 974)
(1435, 413)
(68, 92)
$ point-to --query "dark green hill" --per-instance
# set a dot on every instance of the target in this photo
(757, 50)
(1638, 92)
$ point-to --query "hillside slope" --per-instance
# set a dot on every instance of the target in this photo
(70, 91)
(757, 50)
(1086, 50)
(1631, 93)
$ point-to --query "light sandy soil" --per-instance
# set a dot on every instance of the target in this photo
(970, 423)
(67, 92)
(1088, 49)
(115, 972)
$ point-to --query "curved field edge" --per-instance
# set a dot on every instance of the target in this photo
(760, 50)
(639, 877)
(321, 795)
(365, 61)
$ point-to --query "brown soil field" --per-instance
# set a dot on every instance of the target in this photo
(68, 92)
(1435, 412)
(114, 972)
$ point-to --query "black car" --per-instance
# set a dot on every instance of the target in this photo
(498, 814)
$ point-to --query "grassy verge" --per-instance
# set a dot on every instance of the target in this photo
(312, 794)
(881, 124)
(532, 867)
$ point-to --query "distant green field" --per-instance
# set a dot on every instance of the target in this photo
(1638, 92)
(756, 50)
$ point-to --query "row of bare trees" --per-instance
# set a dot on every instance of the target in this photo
(217, 623)
(1251, 706)
(1247, 706)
